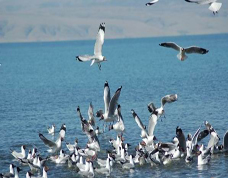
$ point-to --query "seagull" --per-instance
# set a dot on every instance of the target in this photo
(102, 163)
(26, 160)
(61, 158)
(110, 104)
(54, 146)
(129, 165)
(213, 5)
(83, 167)
(51, 130)
(45, 169)
(71, 147)
(97, 57)
(62, 131)
(87, 128)
(180, 136)
(191, 144)
(89, 172)
(9, 174)
(98, 132)
(181, 56)
(149, 140)
(204, 156)
(20, 155)
(214, 138)
(119, 125)
(224, 146)
(17, 170)
(105, 170)
(151, 2)
(152, 123)
(166, 99)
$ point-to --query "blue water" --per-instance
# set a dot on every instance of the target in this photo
(42, 84)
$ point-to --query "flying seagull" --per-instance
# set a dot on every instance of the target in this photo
(97, 57)
(166, 99)
(110, 104)
(182, 51)
(151, 2)
(213, 5)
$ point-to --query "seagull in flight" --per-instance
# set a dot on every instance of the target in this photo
(181, 56)
(213, 5)
(97, 57)
(151, 2)
(110, 104)
(166, 99)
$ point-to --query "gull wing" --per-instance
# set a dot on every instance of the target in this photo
(168, 99)
(180, 136)
(202, 135)
(171, 45)
(91, 114)
(47, 142)
(113, 102)
(151, 2)
(225, 141)
(106, 96)
(151, 107)
(84, 123)
(213, 141)
(195, 49)
(84, 58)
(99, 40)
(152, 123)
(167, 146)
(202, 2)
(209, 126)
(138, 121)
(119, 115)
(195, 136)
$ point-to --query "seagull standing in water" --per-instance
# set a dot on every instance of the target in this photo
(181, 56)
(166, 99)
(97, 57)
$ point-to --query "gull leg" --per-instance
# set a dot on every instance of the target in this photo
(104, 127)
(99, 66)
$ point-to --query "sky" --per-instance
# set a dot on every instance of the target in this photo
(58, 20)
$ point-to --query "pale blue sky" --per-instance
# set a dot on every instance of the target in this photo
(54, 20)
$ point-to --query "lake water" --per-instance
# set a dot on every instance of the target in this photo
(42, 84)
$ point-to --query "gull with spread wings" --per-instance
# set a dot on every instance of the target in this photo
(166, 99)
(181, 56)
(97, 57)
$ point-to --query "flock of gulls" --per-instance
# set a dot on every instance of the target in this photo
(85, 161)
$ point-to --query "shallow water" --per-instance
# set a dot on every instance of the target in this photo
(42, 83)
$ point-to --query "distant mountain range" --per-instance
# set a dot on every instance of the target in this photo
(57, 21)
